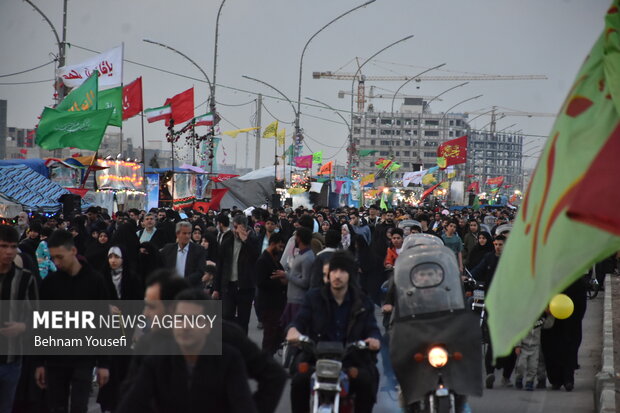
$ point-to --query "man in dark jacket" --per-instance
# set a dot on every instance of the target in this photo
(64, 375)
(187, 258)
(16, 283)
(235, 280)
(187, 380)
(260, 366)
(339, 312)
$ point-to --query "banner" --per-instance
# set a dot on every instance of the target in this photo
(83, 98)
(109, 64)
(132, 99)
(152, 191)
(112, 99)
(82, 130)
(303, 161)
(413, 177)
(495, 181)
(452, 152)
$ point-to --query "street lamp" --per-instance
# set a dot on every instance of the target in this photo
(217, 31)
(186, 57)
(351, 145)
(441, 121)
(276, 138)
(301, 61)
(60, 90)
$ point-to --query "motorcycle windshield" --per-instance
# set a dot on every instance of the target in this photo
(427, 280)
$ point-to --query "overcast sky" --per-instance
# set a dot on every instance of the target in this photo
(264, 39)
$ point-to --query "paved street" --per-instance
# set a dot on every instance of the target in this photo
(507, 400)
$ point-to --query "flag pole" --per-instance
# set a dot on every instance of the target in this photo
(171, 132)
(92, 162)
(143, 150)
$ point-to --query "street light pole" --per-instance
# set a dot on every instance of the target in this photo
(351, 145)
(60, 90)
(212, 85)
(335, 111)
(441, 121)
(301, 61)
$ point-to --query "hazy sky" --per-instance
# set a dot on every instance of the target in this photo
(264, 39)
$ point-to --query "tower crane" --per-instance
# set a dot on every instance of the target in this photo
(361, 79)
(498, 113)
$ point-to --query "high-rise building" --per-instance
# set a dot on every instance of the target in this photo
(411, 136)
(495, 154)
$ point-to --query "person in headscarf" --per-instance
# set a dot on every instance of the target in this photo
(123, 285)
(126, 236)
(482, 247)
(97, 254)
(345, 237)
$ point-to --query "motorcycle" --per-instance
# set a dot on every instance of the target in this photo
(329, 383)
(434, 337)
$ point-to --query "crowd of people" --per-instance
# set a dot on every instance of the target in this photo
(316, 272)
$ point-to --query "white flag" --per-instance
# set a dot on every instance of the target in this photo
(109, 64)
(316, 187)
(413, 177)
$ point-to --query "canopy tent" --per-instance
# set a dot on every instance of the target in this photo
(34, 192)
(252, 189)
(37, 165)
(8, 208)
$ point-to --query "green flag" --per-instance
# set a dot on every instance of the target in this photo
(83, 97)
(382, 204)
(112, 98)
(394, 166)
(83, 130)
(549, 248)
(366, 152)
(317, 157)
(476, 205)
(289, 152)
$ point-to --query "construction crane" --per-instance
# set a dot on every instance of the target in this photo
(371, 95)
(361, 79)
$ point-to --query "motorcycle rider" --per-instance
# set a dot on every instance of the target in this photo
(339, 311)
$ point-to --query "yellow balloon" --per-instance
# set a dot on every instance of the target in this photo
(561, 306)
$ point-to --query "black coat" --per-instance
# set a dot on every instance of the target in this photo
(271, 291)
(195, 264)
(219, 384)
(246, 263)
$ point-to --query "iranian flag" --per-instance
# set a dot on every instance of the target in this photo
(155, 114)
(204, 120)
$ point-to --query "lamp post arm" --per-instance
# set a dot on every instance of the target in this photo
(335, 111)
(274, 88)
(301, 59)
(446, 91)
(58, 42)
(462, 101)
(409, 80)
(217, 31)
(183, 55)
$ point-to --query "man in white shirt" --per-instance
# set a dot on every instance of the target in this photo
(187, 258)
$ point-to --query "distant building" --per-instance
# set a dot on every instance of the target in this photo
(3, 129)
(495, 154)
(411, 135)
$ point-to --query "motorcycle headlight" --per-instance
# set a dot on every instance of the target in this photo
(437, 356)
(329, 369)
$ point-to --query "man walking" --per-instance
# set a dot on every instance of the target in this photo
(189, 259)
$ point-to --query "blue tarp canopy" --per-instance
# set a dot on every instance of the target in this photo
(37, 165)
(164, 170)
(33, 191)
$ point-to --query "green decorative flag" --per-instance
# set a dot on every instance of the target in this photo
(394, 167)
(113, 98)
(83, 130)
(382, 204)
(553, 242)
(442, 162)
(289, 152)
(476, 205)
(82, 98)
(366, 152)
(317, 157)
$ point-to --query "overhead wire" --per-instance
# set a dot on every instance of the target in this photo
(28, 70)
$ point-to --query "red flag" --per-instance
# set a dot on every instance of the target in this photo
(507, 186)
(216, 197)
(182, 106)
(78, 191)
(470, 176)
(429, 191)
(201, 206)
(498, 180)
(327, 169)
(474, 186)
(24, 151)
(75, 155)
(132, 99)
(454, 151)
